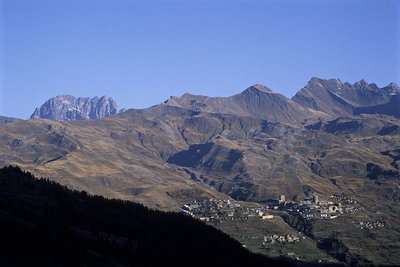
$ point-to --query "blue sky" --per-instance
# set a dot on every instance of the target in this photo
(142, 52)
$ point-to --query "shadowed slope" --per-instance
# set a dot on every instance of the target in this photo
(45, 224)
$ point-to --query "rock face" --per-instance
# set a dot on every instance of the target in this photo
(257, 101)
(340, 99)
(67, 107)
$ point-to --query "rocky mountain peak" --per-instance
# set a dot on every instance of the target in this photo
(362, 83)
(392, 88)
(258, 88)
(257, 101)
(318, 82)
(336, 98)
(394, 85)
(67, 107)
(313, 81)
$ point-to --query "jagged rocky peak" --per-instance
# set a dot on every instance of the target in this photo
(314, 81)
(394, 85)
(335, 85)
(67, 107)
(340, 99)
(392, 88)
(318, 82)
(364, 85)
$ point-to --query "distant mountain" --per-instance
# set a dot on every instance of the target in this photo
(67, 107)
(257, 101)
(4, 120)
(340, 99)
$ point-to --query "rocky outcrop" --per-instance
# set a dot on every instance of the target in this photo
(67, 107)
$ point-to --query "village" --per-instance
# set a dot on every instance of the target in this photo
(311, 208)
(216, 210)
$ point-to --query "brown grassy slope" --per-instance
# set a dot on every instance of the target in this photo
(126, 156)
(166, 156)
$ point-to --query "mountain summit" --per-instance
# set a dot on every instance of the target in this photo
(67, 107)
(257, 101)
(259, 87)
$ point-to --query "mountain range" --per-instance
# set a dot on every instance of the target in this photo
(257, 101)
(331, 138)
(344, 99)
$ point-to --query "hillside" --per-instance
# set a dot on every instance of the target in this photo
(46, 224)
(165, 155)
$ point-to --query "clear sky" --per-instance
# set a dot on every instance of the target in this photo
(142, 52)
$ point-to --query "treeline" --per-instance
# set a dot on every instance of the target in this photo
(43, 223)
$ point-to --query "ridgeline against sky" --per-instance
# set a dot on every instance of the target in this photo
(141, 52)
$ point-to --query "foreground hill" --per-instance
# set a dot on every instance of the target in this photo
(45, 224)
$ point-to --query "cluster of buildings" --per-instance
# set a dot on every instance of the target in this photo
(216, 210)
(280, 239)
(312, 207)
(371, 225)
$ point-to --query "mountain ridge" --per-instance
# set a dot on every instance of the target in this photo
(256, 101)
(336, 98)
